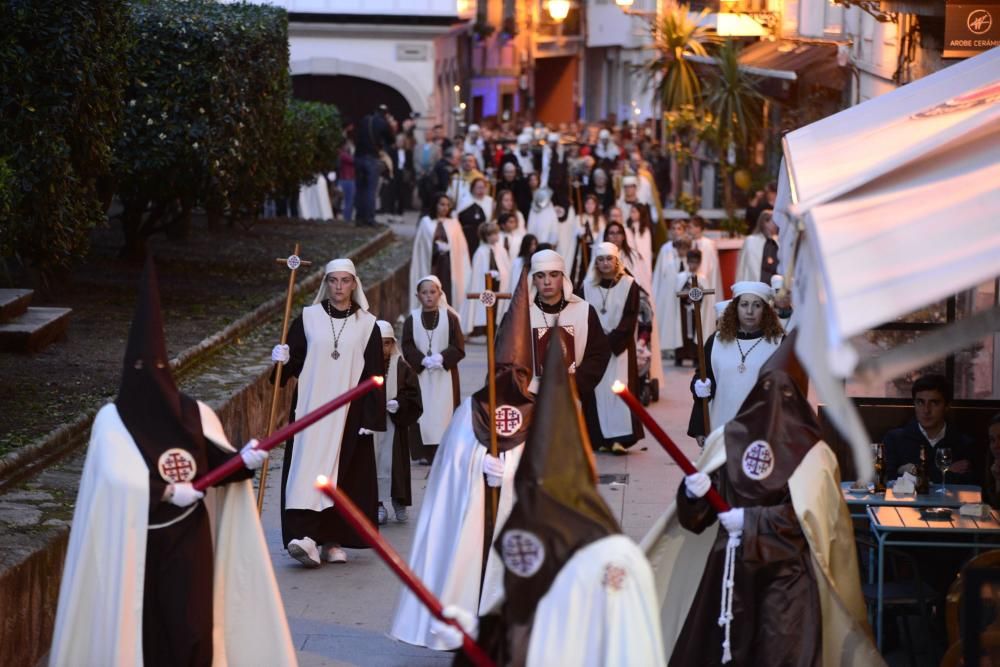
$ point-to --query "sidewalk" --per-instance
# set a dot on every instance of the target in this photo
(340, 614)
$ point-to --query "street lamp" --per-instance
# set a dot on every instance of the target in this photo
(624, 3)
(559, 10)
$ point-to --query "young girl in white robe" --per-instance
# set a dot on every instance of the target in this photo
(490, 257)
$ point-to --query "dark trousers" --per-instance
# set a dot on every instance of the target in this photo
(177, 598)
(366, 168)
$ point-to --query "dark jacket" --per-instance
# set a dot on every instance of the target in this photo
(372, 135)
(902, 445)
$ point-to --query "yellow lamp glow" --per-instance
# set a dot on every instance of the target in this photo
(457, 88)
(624, 3)
(558, 10)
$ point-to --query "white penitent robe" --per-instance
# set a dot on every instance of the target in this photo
(710, 263)
(544, 224)
(751, 258)
(613, 414)
(731, 386)
(314, 201)
(447, 552)
(316, 450)
(420, 262)
(601, 610)
(511, 243)
(98, 621)
(435, 383)
(473, 311)
(665, 301)
(708, 323)
(574, 318)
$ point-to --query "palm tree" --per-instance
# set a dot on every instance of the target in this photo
(675, 37)
(736, 105)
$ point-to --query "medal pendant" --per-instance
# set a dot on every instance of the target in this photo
(336, 355)
(742, 368)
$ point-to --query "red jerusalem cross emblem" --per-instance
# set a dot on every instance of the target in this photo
(177, 465)
(614, 577)
(758, 460)
(508, 420)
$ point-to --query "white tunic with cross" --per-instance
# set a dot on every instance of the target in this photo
(732, 385)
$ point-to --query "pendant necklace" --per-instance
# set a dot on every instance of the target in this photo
(742, 368)
(604, 299)
(336, 335)
(545, 316)
(430, 331)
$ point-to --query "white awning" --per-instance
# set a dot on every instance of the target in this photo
(898, 203)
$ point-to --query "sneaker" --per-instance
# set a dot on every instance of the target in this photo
(334, 554)
(304, 551)
(618, 449)
(402, 516)
(603, 450)
(383, 515)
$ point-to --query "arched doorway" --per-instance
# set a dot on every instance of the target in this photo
(354, 96)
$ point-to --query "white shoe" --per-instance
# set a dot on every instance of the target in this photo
(402, 516)
(305, 551)
(383, 515)
(334, 554)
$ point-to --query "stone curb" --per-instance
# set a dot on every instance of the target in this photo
(28, 460)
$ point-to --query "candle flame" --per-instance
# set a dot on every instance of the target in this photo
(618, 387)
(378, 379)
(321, 481)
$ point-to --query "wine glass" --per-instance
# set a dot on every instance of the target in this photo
(942, 458)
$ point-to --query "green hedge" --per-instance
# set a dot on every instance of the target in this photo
(309, 145)
(204, 111)
(61, 79)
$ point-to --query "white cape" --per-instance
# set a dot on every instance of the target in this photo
(99, 620)
(420, 261)
(314, 201)
(665, 301)
(751, 258)
(473, 311)
(601, 611)
(448, 543)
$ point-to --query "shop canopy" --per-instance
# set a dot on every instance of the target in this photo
(885, 208)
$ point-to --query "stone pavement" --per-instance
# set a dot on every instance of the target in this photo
(340, 614)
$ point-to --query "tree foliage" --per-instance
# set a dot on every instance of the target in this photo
(204, 112)
(61, 79)
(310, 141)
(675, 37)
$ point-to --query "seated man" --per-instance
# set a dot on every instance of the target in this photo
(931, 398)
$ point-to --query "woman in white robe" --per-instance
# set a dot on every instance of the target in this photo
(440, 249)
(668, 264)
(490, 257)
(615, 296)
(433, 346)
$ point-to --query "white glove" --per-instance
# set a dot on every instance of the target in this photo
(732, 520)
(253, 458)
(183, 494)
(364, 431)
(442, 246)
(493, 468)
(697, 485)
(703, 388)
(280, 354)
(428, 361)
(392, 407)
(495, 274)
(448, 633)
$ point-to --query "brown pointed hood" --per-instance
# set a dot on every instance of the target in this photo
(559, 509)
(773, 431)
(515, 404)
(155, 412)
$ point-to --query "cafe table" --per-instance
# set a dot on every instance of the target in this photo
(955, 495)
(898, 525)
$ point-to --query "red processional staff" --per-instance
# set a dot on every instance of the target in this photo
(216, 475)
(713, 497)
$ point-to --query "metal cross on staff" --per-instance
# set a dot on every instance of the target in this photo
(695, 294)
(489, 300)
(293, 262)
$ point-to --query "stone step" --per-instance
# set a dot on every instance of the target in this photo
(13, 303)
(34, 330)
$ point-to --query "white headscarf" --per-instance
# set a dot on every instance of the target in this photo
(550, 260)
(347, 266)
(763, 290)
(602, 249)
(437, 281)
(720, 308)
(386, 330)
